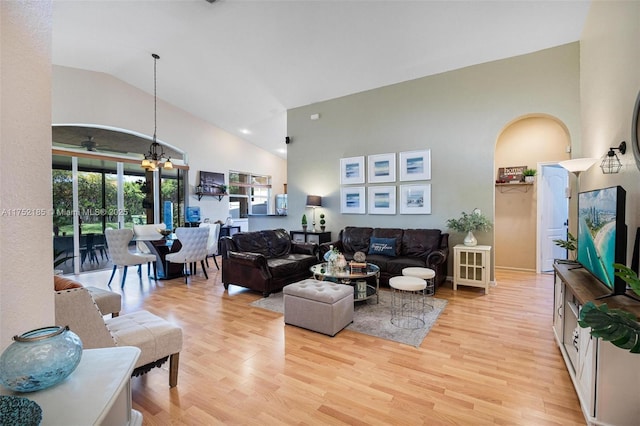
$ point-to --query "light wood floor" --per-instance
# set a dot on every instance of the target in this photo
(488, 360)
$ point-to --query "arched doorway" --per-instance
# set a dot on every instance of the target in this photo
(98, 183)
(533, 141)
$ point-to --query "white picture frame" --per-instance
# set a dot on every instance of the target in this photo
(382, 199)
(381, 168)
(415, 165)
(352, 170)
(415, 199)
(352, 200)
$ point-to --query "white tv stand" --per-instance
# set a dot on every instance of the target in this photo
(606, 378)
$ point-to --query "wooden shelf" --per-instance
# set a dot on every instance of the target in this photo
(510, 187)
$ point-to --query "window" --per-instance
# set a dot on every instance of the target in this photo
(248, 194)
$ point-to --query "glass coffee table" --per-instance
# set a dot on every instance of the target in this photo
(362, 290)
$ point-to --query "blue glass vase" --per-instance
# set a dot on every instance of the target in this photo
(40, 358)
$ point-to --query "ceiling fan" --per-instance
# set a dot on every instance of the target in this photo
(92, 146)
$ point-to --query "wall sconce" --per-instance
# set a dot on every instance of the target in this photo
(314, 201)
(611, 163)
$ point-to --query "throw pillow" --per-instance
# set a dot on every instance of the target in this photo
(383, 246)
(62, 283)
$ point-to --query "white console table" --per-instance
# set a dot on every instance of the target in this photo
(606, 378)
(98, 392)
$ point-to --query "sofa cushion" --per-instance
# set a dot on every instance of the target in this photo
(420, 242)
(252, 242)
(355, 239)
(291, 264)
(383, 246)
(395, 265)
(62, 283)
(278, 241)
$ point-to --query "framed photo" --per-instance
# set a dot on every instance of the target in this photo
(351, 170)
(382, 168)
(211, 183)
(352, 200)
(382, 199)
(415, 165)
(415, 199)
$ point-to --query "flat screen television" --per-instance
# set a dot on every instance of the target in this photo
(602, 234)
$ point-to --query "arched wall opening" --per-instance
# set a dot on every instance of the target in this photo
(528, 141)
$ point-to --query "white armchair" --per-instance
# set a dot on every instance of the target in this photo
(194, 249)
(212, 242)
(158, 339)
(118, 241)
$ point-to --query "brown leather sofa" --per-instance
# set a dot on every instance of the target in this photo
(265, 261)
(427, 248)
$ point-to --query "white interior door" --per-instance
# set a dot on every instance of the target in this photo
(553, 214)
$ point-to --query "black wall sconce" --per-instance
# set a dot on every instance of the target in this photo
(611, 163)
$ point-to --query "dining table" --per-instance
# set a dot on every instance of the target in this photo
(161, 246)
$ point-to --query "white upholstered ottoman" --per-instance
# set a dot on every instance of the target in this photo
(321, 306)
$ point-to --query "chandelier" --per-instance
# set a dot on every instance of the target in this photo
(155, 157)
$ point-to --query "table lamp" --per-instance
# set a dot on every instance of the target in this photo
(314, 201)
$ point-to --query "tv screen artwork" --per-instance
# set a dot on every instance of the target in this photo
(602, 234)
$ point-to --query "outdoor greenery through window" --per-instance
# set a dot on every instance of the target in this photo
(249, 194)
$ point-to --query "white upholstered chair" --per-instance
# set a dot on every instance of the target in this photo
(157, 339)
(151, 231)
(194, 249)
(118, 241)
(212, 242)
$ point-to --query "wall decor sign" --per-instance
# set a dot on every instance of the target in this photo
(415, 199)
(352, 200)
(352, 170)
(381, 168)
(415, 165)
(382, 199)
(511, 174)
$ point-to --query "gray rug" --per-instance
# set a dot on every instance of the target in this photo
(374, 319)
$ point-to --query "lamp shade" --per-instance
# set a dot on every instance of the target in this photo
(578, 165)
(314, 201)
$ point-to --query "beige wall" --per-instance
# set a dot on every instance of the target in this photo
(525, 142)
(610, 67)
(26, 269)
(87, 97)
(458, 115)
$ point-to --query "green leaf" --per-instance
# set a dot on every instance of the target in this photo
(612, 325)
(629, 276)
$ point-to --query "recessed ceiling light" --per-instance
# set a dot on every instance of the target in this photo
(245, 131)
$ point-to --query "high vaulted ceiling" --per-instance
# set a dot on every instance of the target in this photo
(240, 64)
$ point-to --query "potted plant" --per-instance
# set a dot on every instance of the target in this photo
(617, 326)
(470, 222)
(529, 175)
(304, 222)
(570, 244)
(322, 222)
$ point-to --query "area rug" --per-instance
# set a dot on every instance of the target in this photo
(374, 319)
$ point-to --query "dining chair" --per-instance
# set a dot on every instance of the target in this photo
(118, 241)
(194, 249)
(144, 231)
(212, 242)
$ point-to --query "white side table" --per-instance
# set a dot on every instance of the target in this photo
(471, 266)
(97, 392)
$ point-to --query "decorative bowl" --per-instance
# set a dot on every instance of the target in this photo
(17, 410)
(165, 232)
(40, 358)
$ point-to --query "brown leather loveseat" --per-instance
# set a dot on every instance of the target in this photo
(393, 249)
(265, 261)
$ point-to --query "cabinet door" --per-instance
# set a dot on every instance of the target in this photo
(586, 368)
(558, 307)
(313, 238)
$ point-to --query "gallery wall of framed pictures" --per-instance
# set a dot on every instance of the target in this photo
(382, 196)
